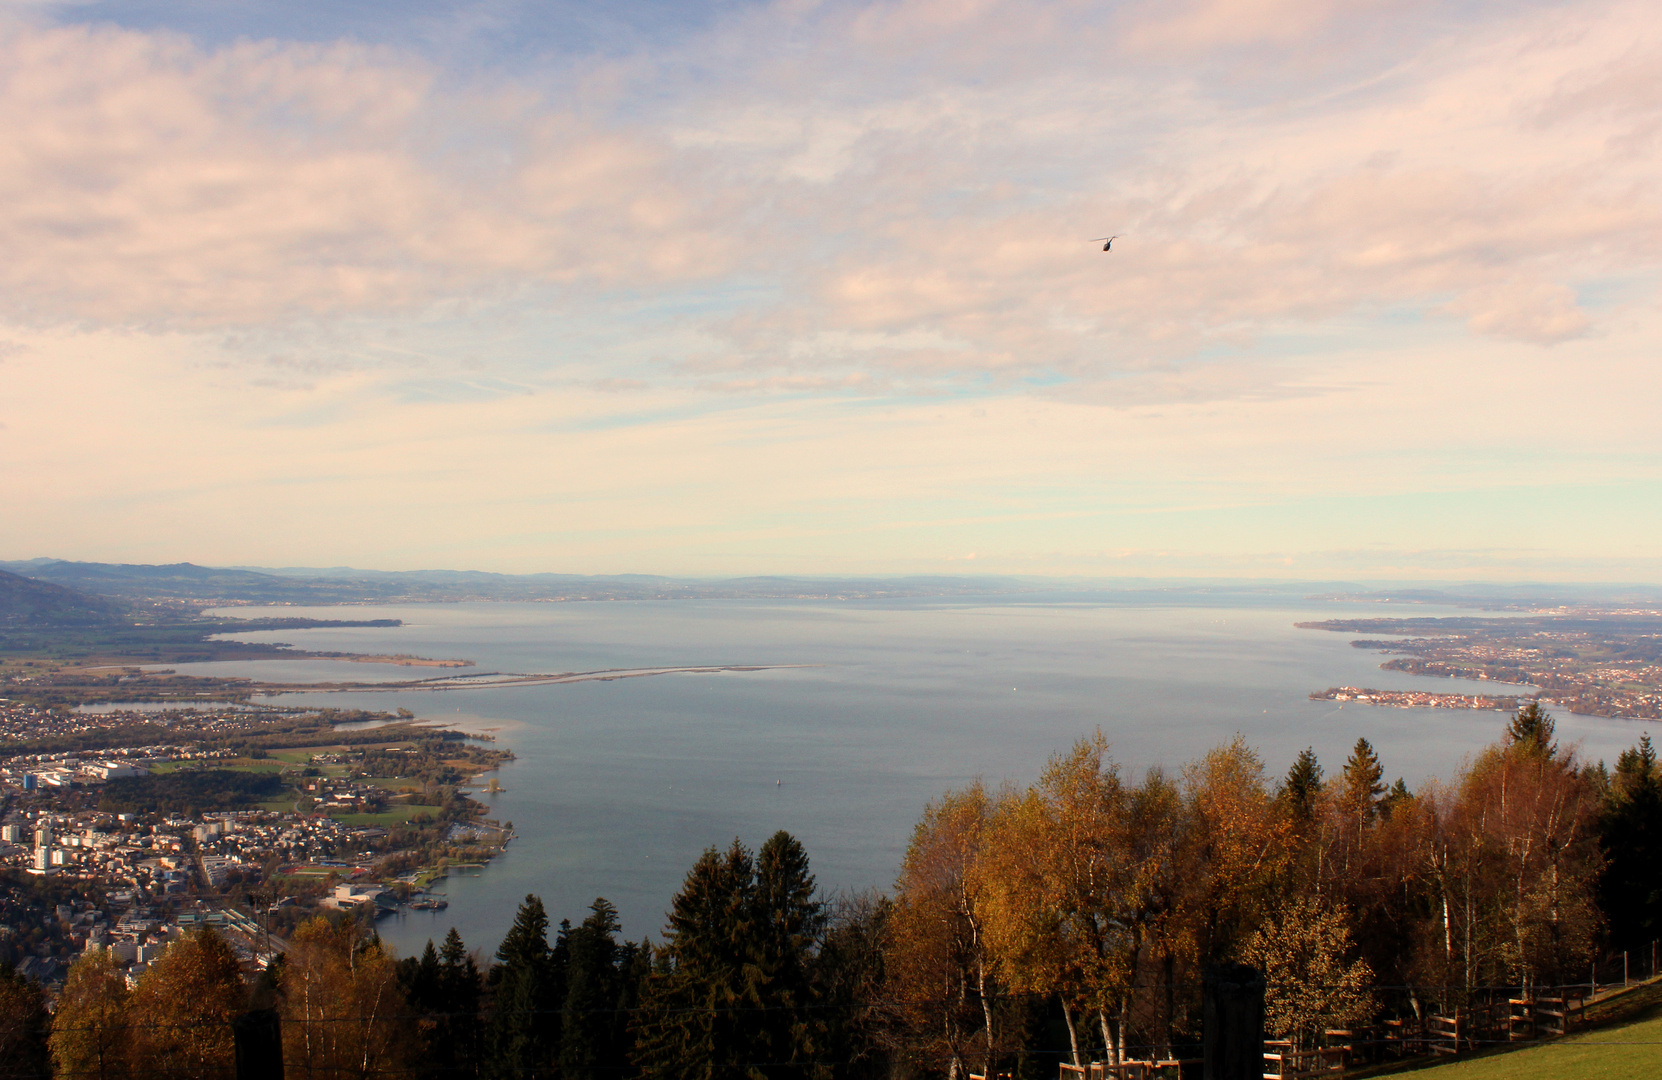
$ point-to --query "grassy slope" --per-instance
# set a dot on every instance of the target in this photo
(1631, 1047)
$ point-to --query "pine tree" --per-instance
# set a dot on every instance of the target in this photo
(1631, 832)
(457, 1035)
(1397, 796)
(1303, 785)
(422, 980)
(523, 1035)
(700, 1011)
(789, 922)
(1531, 731)
(1363, 782)
(593, 1028)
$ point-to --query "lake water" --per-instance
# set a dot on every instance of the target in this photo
(619, 785)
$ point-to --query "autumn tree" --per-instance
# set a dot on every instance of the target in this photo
(848, 975)
(939, 970)
(182, 1009)
(344, 1015)
(1079, 883)
(90, 1034)
(1312, 980)
(1520, 861)
(24, 1028)
(1234, 852)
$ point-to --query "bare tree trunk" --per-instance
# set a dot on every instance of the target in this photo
(1170, 969)
(986, 1011)
(1073, 1035)
(1112, 1052)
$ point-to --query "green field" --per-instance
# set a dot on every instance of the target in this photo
(1629, 1049)
(234, 764)
(396, 815)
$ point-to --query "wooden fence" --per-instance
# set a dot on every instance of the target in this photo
(1506, 1018)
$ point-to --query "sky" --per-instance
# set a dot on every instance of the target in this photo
(810, 287)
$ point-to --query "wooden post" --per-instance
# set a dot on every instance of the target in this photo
(1232, 1022)
(259, 1042)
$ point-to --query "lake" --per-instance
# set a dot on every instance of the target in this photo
(619, 785)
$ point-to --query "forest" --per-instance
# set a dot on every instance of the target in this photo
(1063, 922)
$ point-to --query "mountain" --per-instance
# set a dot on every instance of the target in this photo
(27, 602)
(206, 585)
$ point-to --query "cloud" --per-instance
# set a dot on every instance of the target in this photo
(147, 181)
(858, 195)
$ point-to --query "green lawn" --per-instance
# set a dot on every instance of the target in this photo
(395, 815)
(394, 783)
(1633, 1049)
(234, 764)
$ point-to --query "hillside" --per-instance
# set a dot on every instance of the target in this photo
(26, 602)
(1630, 1044)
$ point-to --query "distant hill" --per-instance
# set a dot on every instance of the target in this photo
(206, 585)
(184, 582)
(27, 602)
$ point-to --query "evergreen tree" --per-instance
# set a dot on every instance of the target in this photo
(457, 1037)
(789, 924)
(1398, 795)
(422, 980)
(1363, 782)
(593, 1028)
(1303, 785)
(699, 1013)
(523, 1035)
(1631, 832)
(1532, 731)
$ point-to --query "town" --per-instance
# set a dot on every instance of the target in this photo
(129, 845)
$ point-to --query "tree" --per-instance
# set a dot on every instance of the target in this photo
(1532, 731)
(1630, 833)
(522, 1039)
(593, 1027)
(456, 1037)
(90, 1035)
(344, 1015)
(731, 991)
(848, 984)
(1303, 785)
(1522, 862)
(1235, 849)
(699, 1018)
(789, 922)
(1362, 783)
(182, 1009)
(1311, 984)
(24, 1027)
(937, 961)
